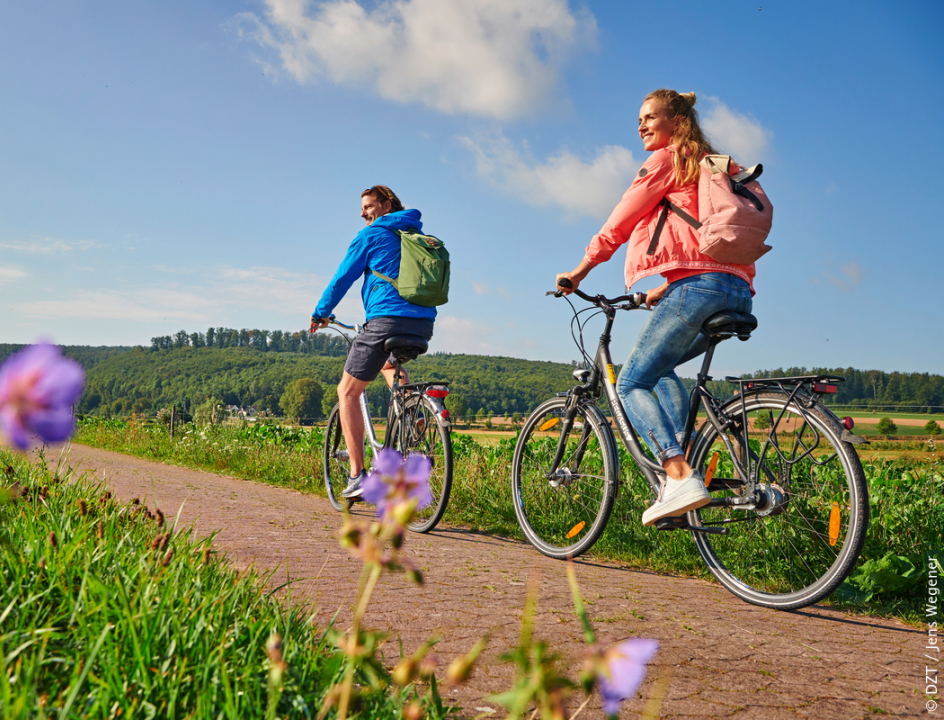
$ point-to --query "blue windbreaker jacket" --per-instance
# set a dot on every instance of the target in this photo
(376, 247)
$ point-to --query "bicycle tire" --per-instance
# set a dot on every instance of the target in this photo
(337, 466)
(798, 550)
(564, 516)
(426, 434)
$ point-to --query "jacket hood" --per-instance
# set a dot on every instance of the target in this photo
(400, 220)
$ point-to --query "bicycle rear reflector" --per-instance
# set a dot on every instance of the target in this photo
(824, 388)
(848, 422)
(437, 391)
(834, 524)
(576, 529)
(548, 424)
(712, 466)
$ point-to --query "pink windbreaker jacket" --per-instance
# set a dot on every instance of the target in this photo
(634, 221)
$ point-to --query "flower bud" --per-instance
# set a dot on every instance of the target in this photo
(405, 672)
(428, 667)
(413, 711)
(403, 512)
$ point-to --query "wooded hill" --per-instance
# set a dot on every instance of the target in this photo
(187, 373)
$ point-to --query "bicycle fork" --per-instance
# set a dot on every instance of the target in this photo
(555, 474)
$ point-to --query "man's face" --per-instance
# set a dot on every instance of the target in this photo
(371, 209)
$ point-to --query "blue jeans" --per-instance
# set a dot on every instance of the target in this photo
(670, 337)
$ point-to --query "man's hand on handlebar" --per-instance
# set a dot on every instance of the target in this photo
(318, 323)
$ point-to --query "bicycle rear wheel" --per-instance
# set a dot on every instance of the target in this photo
(563, 513)
(801, 541)
(337, 465)
(425, 434)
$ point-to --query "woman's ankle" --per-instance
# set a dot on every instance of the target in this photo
(677, 468)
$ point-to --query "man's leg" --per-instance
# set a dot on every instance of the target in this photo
(350, 390)
(388, 371)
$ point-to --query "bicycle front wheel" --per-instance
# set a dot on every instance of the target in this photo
(337, 464)
(796, 545)
(563, 510)
(425, 434)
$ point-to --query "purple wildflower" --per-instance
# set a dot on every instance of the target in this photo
(625, 671)
(394, 480)
(37, 390)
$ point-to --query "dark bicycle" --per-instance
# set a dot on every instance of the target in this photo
(417, 423)
(789, 503)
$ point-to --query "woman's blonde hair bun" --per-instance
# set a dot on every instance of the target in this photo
(688, 98)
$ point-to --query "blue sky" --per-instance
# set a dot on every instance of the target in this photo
(177, 165)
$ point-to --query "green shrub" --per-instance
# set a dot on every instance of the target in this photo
(887, 427)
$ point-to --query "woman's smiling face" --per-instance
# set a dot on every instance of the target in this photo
(655, 125)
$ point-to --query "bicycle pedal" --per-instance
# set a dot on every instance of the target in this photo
(672, 523)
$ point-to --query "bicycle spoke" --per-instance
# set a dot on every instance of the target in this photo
(783, 554)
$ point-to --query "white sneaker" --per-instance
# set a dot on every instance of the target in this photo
(677, 497)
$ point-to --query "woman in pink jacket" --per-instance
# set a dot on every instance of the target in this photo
(695, 287)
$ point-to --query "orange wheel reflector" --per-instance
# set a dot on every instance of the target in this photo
(576, 529)
(712, 466)
(834, 524)
(547, 425)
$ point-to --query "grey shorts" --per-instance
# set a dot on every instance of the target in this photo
(367, 356)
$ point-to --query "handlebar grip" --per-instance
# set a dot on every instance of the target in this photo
(563, 283)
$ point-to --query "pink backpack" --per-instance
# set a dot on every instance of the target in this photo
(735, 212)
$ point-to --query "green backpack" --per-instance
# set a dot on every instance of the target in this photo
(424, 269)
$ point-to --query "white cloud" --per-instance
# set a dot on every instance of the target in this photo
(456, 335)
(850, 274)
(484, 289)
(735, 134)
(50, 246)
(583, 188)
(491, 58)
(11, 273)
(259, 288)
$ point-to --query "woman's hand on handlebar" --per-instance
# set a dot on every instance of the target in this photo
(566, 283)
(575, 276)
(655, 295)
(318, 324)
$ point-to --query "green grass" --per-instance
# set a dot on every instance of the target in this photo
(860, 412)
(904, 431)
(105, 612)
(907, 510)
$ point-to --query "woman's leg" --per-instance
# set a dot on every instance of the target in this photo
(671, 335)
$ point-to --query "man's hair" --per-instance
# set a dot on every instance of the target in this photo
(382, 194)
(689, 140)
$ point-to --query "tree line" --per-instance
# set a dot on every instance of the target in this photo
(122, 381)
(323, 343)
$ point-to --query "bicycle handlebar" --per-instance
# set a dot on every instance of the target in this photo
(334, 321)
(635, 300)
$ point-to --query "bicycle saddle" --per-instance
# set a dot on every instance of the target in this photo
(405, 347)
(729, 323)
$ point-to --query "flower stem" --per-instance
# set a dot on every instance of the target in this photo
(588, 634)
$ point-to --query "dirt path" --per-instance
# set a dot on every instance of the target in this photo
(726, 659)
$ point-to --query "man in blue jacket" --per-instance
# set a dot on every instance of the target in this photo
(376, 247)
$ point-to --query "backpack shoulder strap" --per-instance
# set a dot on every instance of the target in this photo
(666, 206)
(391, 280)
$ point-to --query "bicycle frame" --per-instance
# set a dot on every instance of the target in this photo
(396, 403)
